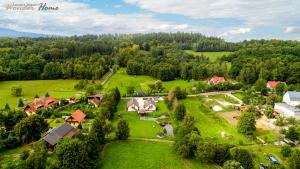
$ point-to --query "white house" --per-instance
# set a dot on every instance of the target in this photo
(292, 98)
(149, 106)
(287, 110)
(133, 105)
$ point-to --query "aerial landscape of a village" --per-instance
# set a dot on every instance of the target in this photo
(137, 84)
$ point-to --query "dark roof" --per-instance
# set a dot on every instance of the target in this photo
(133, 101)
(148, 102)
(96, 96)
(57, 133)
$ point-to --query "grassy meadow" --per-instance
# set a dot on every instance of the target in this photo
(56, 88)
(211, 55)
(146, 155)
(122, 80)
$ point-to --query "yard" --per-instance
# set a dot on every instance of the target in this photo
(211, 55)
(145, 155)
(122, 80)
(210, 123)
(138, 128)
(56, 88)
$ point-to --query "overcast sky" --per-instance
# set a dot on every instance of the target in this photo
(233, 20)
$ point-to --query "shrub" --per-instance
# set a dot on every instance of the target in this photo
(286, 151)
(16, 91)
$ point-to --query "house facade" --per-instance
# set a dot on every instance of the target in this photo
(289, 106)
(141, 106)
(95, 100)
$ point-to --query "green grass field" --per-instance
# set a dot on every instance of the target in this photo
(145, 155)
(138, 128)
(122, 80)
(210, 123)
(12, 156)
(211, 55)
(239, 95)
(56, 88)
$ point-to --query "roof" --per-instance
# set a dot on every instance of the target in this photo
(273, 84)
(39, 103)
(294, 96)
(78, 115)
(57, 133)
(289, 107)
(217, 79)
(134, 102)
(148, 102)
(96, 96)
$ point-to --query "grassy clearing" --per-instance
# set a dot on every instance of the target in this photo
(225, 98)
(145, 155)
(211, 55)
(56, 88)
(138, 128)
(210, 123)
(12, 156)
(239, 95)
(122, 80)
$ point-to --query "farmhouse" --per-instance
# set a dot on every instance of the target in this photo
(288, 108)
(38, 103)
(272, 84)
(76, 118)
(53, 136)
(216, 79)
(292, 98)
(141, 106)
(95, 99)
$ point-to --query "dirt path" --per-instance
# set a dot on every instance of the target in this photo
(105, 79)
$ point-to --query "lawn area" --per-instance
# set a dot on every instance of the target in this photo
(225, 98)
(138, 128)
(260, 150)
(145, 155)
(210, 123)
(56, 88)
(122, 80)
(239, 95)
(211, 55)
(12, 156)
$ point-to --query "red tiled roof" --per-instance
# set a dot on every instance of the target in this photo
(78, 115)
(38, 103)
(273, 84)
(217, 79)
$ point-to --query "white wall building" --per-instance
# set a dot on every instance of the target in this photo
(292, 98)
(287, 110)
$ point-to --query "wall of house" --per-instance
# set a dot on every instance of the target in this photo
(286, 112)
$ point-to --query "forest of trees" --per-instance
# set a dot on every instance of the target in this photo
(159, 55)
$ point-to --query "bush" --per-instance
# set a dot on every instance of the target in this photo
(242, 156)
(16, 91)
(280, 121)
(246, 123)
(286, 151)
(81, 85)
(122, 132)
(24, 155)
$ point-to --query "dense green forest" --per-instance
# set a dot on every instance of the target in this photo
(159, 55)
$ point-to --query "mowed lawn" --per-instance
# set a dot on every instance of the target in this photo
(138, 128)
(146, 155)
(140, 82)
(211, 55)
(210, 123)
(56, 88)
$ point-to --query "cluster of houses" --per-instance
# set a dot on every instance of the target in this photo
(39, 103)
(68, 129)
(142, 105)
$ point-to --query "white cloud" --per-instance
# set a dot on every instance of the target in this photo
(236, 32)
(253, 13)
(292, 29)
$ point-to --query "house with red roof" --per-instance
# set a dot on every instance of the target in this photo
(273, 84)
(76, 118)
(216, 80)
(39, 103)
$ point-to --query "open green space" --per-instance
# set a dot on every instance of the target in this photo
(146, 155)
(12, 156)
(56, 88)
(239, 95)
(138, 128)
(211, 55)
(225, 98)
(210, 124)
(140, 82)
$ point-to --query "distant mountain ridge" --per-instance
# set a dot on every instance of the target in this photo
(15, 34)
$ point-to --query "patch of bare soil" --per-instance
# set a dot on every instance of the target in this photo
(232, 117)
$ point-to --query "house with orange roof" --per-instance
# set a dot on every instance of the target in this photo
(273, 84)
(39, 103)
(76, 118)
(216, 80)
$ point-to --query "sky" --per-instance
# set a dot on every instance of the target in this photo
(232, 20)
